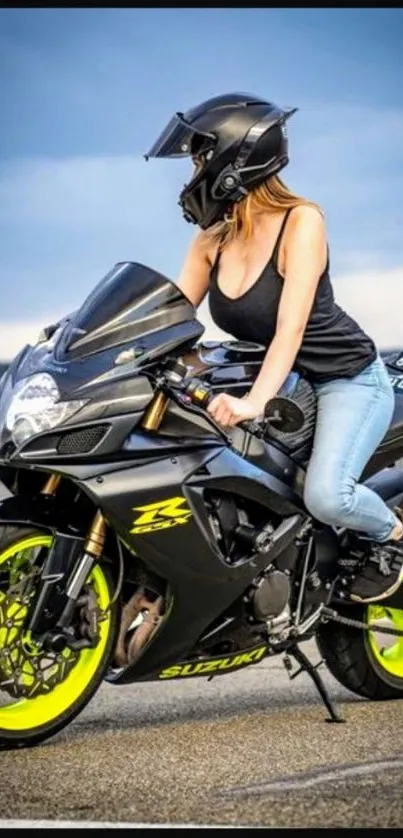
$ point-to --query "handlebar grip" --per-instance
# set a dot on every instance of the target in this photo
(201, 395)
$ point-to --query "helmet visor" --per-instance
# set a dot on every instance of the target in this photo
(180, 139)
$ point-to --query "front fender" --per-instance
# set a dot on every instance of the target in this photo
(42, 512)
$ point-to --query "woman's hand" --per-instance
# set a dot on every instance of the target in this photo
(229, 410)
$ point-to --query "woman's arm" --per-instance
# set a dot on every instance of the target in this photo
(194, 277)
(305, 261)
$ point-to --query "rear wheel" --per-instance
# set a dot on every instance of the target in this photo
(369, 664)
(41, 692)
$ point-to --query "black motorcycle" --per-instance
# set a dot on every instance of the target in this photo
(142, 541)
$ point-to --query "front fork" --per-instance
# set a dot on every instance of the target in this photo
(68, 565)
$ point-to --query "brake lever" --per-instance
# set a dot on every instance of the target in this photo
(251, 426)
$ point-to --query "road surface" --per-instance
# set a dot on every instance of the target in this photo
(247, 749)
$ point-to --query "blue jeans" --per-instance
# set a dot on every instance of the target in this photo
(353, 417)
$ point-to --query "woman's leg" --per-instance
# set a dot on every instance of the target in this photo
(353, 417)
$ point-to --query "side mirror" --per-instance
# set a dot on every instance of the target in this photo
(284, 415)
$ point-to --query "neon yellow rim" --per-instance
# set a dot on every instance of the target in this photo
(28, 714)
(387, 650)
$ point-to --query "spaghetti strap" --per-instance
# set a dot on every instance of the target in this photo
(274, 255)
(214, 267)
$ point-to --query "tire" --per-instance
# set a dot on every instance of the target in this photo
(356, 658)
(30, 721)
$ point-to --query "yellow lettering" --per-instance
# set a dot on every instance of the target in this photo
(165, 509)
(159, 525)
(205, 667)
(171, 672)
(211, 666)
(161, 515)
(188, 669)
(259, 653)
(227, 663)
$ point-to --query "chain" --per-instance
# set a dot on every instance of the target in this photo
(328, 614)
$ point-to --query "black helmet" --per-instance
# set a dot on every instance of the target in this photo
(240, 141)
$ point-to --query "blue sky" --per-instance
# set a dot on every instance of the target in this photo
(84, 92)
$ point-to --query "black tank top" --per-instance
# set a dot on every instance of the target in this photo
(334, 345)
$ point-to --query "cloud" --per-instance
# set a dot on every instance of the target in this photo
(350, 159)
(99, 191)
(370, 297)
(64, 222)
(374, 298)
(338, 155)
(15, 334)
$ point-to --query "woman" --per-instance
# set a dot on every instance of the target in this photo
(262, 255)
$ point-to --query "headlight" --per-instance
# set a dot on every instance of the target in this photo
(37, 407)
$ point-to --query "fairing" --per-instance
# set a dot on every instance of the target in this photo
(133, 317)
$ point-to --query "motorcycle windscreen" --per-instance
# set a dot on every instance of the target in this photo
(132, 304)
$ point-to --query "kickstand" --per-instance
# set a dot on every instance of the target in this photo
(306, 666)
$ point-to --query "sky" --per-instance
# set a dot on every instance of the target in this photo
(84, 92)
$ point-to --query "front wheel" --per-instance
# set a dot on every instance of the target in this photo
(41, 692)
(368, 663)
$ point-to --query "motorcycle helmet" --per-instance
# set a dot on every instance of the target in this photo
(238, 141)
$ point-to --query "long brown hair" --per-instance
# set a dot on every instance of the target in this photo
(270, 196)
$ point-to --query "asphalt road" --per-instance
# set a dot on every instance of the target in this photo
(247, 749)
